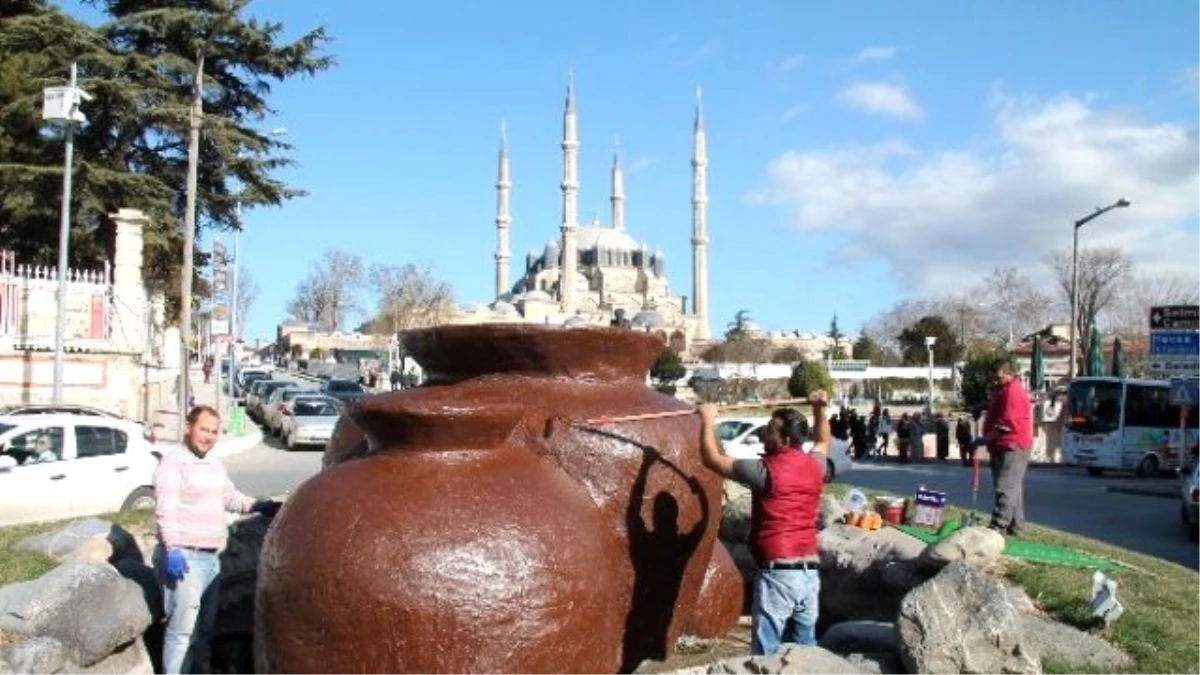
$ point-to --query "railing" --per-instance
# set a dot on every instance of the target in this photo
(29, 306)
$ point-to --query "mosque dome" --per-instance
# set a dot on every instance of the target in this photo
(596, 236)
(551, 253)
(538, 296)
(576, 322)
(648, 318)
(504, 308)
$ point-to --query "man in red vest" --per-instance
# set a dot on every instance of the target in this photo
(785, 485)
(1008, 430)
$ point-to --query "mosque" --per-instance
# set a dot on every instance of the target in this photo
(591, 274)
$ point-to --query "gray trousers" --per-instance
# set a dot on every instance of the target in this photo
(1008, 482)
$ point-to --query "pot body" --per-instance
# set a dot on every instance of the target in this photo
(479, 524)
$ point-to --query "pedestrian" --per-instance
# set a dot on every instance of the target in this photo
(1008, 431)
(904, 437)
(193, 492)
(395, 379)
(962, 434)
(207, 368)
(885, 431)
(941, 430)
(785, 485)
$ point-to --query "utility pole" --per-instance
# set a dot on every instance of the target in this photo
(1119, 204)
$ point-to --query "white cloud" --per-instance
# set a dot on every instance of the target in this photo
(882, 98)
(794, 112)
(641, 164)
(942, 220)
(875, 53)
(790, 63)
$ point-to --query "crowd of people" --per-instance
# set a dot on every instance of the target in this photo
(870, 436)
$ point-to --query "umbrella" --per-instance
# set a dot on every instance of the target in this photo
(1095, 354)
(1118, 359)
(1037, 366)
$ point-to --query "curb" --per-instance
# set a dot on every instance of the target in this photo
(1144, 492)
(239, 444)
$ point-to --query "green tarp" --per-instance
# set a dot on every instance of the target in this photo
(1021, 549)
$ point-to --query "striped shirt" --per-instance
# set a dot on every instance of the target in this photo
(193, 493)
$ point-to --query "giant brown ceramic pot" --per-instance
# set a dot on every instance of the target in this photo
(476, 524)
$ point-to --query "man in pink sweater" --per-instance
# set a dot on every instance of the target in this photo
(1008, 430)
(193, 492)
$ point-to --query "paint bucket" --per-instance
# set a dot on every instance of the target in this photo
(893, 513)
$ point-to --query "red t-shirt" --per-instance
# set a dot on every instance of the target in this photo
(1010, 408)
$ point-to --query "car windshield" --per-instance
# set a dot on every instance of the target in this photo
(730, 429)
(314, 408)
(345, 386)
(1093, 407)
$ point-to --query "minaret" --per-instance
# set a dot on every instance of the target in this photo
(618, 190)
(700, 223)
(502, 218)
(570, 206)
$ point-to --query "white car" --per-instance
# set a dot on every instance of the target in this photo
(739, 440)
(63, 466)
(309, 421)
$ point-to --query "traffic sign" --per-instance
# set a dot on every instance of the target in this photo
(1175, 342)
(1166, 364)
(1185, 392)
(1175, 317)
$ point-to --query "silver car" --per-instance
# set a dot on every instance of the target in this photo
(309, 421)
(1189, 494)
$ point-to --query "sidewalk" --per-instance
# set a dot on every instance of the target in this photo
(166, 422)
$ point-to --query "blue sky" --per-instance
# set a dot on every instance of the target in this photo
(860, 152)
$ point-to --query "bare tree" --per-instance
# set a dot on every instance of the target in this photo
(410, 296)
(245, 296)
(1101, 270)
(1014, 306)
(1130, 311)
(328, 296)
(885, 328)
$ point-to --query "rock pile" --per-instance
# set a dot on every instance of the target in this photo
(891, 604)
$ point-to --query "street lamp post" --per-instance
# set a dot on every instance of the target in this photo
(1119, 204)
(61, 105)
(929, 342)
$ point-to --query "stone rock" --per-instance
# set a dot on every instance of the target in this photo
(239, 576)
(59, 544)
(961, 621)
(864, 575)
(87, 606)
(735, 513)
(978, 546)
(95, 548)
(790, 659)
(743, 557)
(1020, 599)
(1071, 647)
(47, 655)
(882, 663)
(143, 575)
(831, 513)
(851, 637)
(36, 655)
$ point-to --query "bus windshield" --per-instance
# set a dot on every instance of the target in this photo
(1093, 407)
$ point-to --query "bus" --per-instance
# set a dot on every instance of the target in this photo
(1126, 424)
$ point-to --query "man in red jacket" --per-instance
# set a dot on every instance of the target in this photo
(785, 484)
(1008, 430)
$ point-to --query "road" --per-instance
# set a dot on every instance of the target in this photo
(1063, 498)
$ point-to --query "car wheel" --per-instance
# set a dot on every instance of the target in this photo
(1095, 471)
(1148, 467)
(141, 499)
(830, 471)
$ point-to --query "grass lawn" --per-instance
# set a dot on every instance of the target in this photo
(1161, 599)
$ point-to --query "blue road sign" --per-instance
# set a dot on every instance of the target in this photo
(1175, 342)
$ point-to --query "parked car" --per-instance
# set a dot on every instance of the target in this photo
(51, 409)
(55, 466)
(274, 410)
(309, 420)
(1189, 498)
(345, 391)
(256, 403)
(246, 376)
(739, 438)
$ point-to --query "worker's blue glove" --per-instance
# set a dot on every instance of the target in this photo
(177, 565)
(267, 507)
